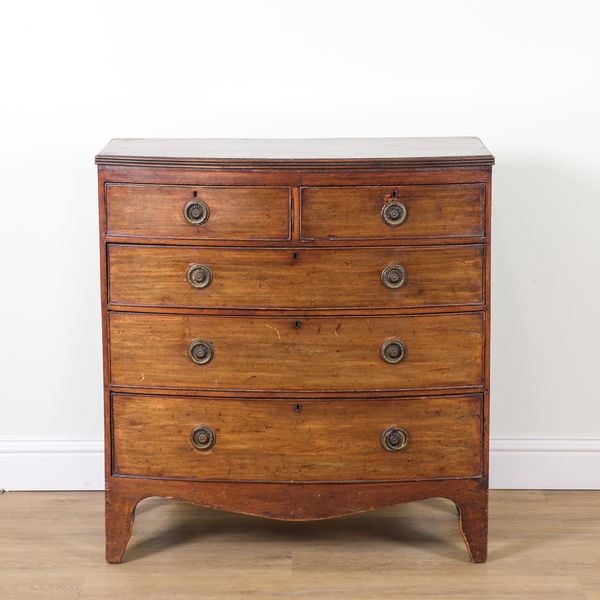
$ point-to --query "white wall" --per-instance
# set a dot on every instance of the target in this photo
(521, 75)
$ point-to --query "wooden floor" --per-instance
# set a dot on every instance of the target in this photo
(543, 545)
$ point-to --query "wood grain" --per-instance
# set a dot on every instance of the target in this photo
(295, 278)
(303, 440)
(236, 213)
(347, 213)
(289, 175)
(305, 353)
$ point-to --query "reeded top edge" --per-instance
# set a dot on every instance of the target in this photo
(301, 153)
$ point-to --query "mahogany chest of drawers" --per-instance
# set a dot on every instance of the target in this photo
(297, 329)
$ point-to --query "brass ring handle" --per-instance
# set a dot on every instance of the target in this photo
(393, 277)
(203, 437)
(393, 213)
(199, 276)
(394, 439)
(196, 212)
(200, 352)
(393, 351)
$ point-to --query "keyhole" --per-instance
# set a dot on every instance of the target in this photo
(297, 408)
(195, 194)
(295, 257)
(394, 194)
(297, 324)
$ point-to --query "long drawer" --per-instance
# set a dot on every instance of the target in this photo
(281, 440)
(198, 212)
(296, 354)
(393, 212)
(295, 278)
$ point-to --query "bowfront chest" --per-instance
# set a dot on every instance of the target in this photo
(297, 329)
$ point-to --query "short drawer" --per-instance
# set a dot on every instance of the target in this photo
(198, 213)
(393, 212)
(166, 276)
(299, 440)
(296, 354)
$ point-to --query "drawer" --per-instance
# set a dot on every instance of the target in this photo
(214, 213)
(302, 353)
(301, 440)
(291, 278)
(392, 212)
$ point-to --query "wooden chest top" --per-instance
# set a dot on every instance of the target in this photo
(304, 153)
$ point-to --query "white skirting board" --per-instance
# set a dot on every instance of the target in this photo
(51, 464)
(515, 463)
(545, 464)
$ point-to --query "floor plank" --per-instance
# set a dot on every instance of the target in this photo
(543, 545)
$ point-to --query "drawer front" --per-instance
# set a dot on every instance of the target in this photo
(412, 211)
(223, 213)
(300, 440)
(291, 278)
(289, 354)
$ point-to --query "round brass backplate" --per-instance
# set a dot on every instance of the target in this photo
(199, 276)
(393, 213)
(393, 351)
(394, 439)
(200, 352)
(203, 437)
(196, 212)
(393, 277)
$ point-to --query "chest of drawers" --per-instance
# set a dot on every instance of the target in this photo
(296, 329)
